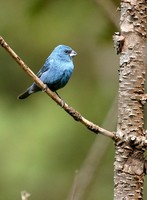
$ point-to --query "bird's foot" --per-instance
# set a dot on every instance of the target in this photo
(44, 89)
(62, 101)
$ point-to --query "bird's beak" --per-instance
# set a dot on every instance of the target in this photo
(72, 53)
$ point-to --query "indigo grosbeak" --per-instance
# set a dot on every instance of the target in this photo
(55, 72)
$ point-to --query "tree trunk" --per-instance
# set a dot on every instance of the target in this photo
(129, 156)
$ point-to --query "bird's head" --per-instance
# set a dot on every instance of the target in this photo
(64, 51)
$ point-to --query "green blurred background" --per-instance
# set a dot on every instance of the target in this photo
(40, 145)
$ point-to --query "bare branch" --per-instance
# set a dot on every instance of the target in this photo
(74, 187)
(110, 10)
(71, 111)
(88, 170)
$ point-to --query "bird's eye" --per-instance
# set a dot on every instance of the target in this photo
(67, 51)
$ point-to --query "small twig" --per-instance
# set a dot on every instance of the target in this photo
(118, 42)
(71, 111)
(109, 9)
(87, 172)
(75, 186)
(25, 195)
(140, 97)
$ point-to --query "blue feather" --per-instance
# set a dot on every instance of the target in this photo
(56, 70)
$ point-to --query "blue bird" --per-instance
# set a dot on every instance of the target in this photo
(55, 72)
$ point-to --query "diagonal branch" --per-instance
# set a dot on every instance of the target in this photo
(71, 111)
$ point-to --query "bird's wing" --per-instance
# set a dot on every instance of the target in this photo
(45, 67)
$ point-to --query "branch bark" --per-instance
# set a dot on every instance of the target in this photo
(71, 111)
(129, 156)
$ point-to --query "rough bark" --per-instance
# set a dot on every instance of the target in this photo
(129, 156)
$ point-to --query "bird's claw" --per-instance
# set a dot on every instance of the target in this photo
(62, 103)
(44, 89)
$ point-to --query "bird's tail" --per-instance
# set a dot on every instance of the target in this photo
(24, 95)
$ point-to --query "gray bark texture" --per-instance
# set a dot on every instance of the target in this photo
(129, 155)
